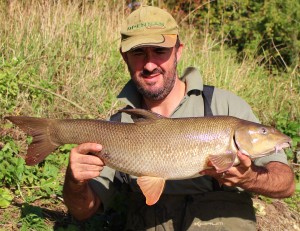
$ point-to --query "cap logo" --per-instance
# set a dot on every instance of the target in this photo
(148, 25)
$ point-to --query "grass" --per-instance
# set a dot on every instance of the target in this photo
(268, 94)
(70, 50)
(68, 55)
(61, 59)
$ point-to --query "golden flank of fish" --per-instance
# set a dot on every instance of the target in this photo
(155, 148)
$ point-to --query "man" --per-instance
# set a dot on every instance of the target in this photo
(151, 49)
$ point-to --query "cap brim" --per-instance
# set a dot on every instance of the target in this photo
(159, 40)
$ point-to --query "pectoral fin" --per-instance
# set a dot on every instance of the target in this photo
(152, 188)
(223, 162)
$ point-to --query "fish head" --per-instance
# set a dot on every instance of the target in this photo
(257, 140)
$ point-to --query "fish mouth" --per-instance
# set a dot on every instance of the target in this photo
(285, 143)
(276, 149)
(279, 147)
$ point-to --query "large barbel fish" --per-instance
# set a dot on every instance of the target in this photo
(156, 148)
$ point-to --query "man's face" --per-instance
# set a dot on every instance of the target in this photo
(153, 70)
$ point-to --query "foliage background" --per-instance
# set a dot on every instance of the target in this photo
(60, 59)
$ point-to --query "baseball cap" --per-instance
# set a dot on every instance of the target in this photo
(148, 26)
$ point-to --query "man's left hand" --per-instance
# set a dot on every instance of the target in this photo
(236, 175)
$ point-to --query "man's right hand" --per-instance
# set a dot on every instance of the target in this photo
(80, 199)
(83, 165)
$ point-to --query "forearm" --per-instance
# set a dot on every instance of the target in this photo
(79, 198)
(276, 180)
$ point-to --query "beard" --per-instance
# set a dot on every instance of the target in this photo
(161, 92)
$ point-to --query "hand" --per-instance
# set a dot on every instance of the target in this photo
(236, 175)
(82, 166)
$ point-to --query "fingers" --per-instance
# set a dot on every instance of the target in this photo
(79, 154)
(221, 177)
(83, 166)
(88, 148)
(244, 159)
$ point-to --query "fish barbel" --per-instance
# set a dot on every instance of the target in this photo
(156, 148)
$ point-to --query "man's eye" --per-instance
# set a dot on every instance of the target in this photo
(161, 51)
(137, 53)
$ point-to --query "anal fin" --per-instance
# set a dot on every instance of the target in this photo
(152, 188)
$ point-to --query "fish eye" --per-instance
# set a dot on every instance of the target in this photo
(264, 131)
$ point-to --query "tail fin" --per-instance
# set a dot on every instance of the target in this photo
(41, 145)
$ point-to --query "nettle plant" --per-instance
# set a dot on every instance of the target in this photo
(29, 182)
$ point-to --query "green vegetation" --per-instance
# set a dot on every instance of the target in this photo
(61, 59)
(269, 29)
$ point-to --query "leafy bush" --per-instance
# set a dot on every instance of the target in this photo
(31, 182)
(32, 218)
(290, 128)
(5, 198)
(270, 28)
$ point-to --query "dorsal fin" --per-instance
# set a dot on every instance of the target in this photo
(140, 114)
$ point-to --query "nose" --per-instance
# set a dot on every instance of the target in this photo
(150, 61)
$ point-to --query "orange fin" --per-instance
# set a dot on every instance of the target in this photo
(41, 145)
(152, 188)
(223, 162)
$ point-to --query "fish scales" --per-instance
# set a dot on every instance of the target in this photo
(165, 143)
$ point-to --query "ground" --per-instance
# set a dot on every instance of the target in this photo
(276, 216)
(272, 215)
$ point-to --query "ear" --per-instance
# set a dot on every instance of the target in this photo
(124, 55)
(179, 52)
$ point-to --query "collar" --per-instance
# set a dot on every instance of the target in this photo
(191, 77)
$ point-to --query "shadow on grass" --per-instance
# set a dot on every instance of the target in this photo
(40, 218)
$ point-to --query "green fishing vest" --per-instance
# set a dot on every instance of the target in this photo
(219, 209)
